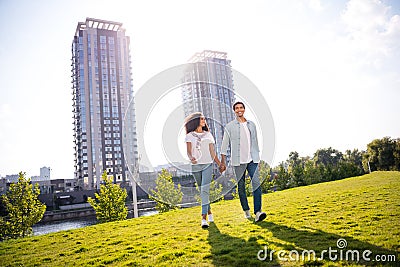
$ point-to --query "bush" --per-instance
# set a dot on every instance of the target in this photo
(166, 195)
(110, 202)
(215, 192)
(23, 209)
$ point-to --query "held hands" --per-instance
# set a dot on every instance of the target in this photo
(193, 160)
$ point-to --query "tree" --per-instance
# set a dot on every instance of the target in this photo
(381, 154)
(166, 195)
(327, 156)
(110, 202)
(215, 191)
(266, 180)
(283, 180)
(313, 174)
(396, 155)
(296, 166)
(23, 209)
(355, 157)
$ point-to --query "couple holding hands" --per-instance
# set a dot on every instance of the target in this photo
(241, 135)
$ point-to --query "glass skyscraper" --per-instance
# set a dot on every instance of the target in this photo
(208, 88)
(102, 92)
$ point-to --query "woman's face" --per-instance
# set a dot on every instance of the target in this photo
(202, 121)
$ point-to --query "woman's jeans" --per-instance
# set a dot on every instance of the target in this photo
(252, 169)
(203, 174)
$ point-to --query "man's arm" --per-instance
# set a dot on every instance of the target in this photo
(225, 142)
(256, 136)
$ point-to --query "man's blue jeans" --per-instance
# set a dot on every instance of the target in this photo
(203, 174)
(252, 169)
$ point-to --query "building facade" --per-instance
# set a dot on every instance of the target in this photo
(43, 180)
(208, 88)
(102, 95)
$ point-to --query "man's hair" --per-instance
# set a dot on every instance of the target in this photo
(237, 103)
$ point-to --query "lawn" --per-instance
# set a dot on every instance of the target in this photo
(363, 212)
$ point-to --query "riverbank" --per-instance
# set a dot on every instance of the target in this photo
(84, 210)
(81, 215)
(42, 228)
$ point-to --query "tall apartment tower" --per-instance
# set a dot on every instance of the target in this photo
(102, 92)
(208, 88)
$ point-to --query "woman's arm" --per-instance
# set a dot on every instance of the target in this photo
(189, 152)
(213, 154)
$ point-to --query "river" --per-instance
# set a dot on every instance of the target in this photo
(56, 226)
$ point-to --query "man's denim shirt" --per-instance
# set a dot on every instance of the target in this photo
(232, 138)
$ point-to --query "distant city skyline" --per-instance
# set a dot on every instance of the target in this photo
(329, 70)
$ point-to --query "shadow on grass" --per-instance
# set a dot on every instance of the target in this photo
(318, 241)
(232, 251)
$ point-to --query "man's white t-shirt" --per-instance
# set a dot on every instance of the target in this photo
(201, 146)
(245, 156)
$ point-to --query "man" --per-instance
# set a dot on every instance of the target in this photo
(241, 136)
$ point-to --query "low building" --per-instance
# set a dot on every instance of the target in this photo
(62, 185)
(3, 185)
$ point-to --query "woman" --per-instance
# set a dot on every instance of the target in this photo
(201, 153)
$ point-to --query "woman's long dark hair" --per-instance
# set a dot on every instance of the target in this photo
(193, 121)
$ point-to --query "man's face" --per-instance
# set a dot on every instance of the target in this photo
(239, 110)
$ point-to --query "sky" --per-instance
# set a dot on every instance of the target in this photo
(328, 70)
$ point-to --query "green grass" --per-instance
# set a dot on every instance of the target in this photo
(363, 210)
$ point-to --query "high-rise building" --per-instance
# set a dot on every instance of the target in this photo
(102, 92)
(208, 88)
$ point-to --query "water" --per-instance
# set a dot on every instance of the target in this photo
(56, 226)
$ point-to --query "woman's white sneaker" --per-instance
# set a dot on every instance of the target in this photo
(204, 224)
(247, 214)
(210, 218)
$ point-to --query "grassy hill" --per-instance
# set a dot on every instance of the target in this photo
(365, 211)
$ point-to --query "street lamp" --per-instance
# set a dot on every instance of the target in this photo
(133, 177)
